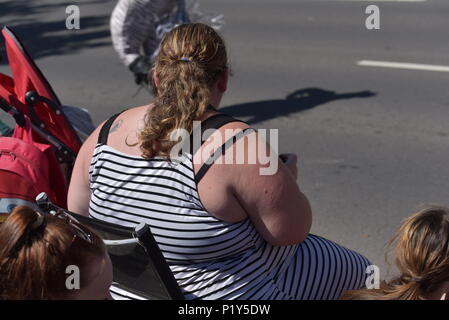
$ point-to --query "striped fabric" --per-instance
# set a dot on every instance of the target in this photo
(118, 293)
(133, 27)
(210, 258)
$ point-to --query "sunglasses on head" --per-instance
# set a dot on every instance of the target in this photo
(80, 230)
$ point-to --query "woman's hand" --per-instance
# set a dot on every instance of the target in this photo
(291, 162)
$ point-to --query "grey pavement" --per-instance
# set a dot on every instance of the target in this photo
(372, 142)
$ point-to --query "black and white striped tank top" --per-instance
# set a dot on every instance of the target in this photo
(211, 258)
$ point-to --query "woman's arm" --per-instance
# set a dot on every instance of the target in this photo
(274, 203)
(79, 190)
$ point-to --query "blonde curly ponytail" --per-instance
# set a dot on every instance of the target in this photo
(191, 58)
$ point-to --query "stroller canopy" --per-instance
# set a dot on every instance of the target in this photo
(26, 78)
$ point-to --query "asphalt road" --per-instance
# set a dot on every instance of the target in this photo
(372, 142)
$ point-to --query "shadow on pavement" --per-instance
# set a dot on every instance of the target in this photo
(295, 102)
(46, 38)
(29, 8)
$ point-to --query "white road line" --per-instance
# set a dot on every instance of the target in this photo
(402, 65)
(373, 1)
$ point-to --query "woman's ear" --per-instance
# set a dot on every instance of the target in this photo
(222, 83)
(156, 80)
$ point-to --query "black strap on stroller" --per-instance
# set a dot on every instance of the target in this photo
(64, 154)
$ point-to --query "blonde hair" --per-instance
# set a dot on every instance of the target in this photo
(421, 255)
(191, 58)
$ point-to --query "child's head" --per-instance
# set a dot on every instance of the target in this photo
(421, 248)
(40, 256)
(422, 251)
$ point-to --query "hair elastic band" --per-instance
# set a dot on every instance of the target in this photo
(419, 279)
(40, 219)
(185, 59)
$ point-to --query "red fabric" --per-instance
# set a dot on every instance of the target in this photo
(28, 77)
(43, 168)
(7, 92)
(23, 163)
(6, 87)
(14, 186)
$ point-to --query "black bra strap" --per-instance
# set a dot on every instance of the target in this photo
(104, 132)
(220, 151)
(214, 122)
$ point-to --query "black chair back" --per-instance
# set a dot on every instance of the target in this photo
(138, 264)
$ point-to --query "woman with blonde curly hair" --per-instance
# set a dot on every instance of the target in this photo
(226, 230)
(422, 257)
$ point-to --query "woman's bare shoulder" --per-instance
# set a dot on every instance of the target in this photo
(138, 109)
(126, 116)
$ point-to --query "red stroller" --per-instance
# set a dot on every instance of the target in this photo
(41, 153)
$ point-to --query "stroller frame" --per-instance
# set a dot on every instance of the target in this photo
(31, 99)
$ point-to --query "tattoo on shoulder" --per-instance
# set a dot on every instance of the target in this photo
(116, 126)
